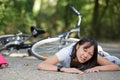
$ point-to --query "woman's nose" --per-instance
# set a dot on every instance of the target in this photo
(85, 55)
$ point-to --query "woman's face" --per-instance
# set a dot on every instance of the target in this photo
(83, 55)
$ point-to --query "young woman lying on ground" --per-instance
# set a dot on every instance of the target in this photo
(78, 58)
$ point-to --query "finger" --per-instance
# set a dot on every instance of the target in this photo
(81, 72)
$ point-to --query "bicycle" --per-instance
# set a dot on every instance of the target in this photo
(17, 41)
(47, 47)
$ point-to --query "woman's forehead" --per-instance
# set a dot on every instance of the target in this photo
(86, 44)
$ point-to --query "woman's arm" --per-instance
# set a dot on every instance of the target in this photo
(50, 64)
(105, 65)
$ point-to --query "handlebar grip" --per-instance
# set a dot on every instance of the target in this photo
(74, 10)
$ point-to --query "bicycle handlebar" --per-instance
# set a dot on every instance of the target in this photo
(74, 10)
(78, 14)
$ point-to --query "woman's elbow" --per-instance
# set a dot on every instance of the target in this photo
(117, 67)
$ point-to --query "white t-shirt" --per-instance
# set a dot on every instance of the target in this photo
(64, 56)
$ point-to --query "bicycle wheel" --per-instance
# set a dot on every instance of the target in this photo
(4, 39)
(47, 47)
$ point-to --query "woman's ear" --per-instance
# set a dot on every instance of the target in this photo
(77, 47)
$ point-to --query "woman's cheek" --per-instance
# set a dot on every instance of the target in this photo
(89, 58)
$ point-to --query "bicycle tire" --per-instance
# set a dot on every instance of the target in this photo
(47, 47)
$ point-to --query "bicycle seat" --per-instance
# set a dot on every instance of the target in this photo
(36, 31)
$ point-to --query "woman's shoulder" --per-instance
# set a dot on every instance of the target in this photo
(66, 51)
(71, 45)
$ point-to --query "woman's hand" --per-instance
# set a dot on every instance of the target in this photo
(71, 70)
(95, 69)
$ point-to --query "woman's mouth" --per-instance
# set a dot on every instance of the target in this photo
(82, 59)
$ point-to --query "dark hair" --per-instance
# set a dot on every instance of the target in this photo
(93, 61)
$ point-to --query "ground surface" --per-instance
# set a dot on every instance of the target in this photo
(25, 68)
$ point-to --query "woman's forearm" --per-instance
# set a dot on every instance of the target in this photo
(44, 66)
(108, 68)
(47, 67)
(103, 68)
(106, 65)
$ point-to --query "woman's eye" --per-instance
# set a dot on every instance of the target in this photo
(90, 54)
(85, 50)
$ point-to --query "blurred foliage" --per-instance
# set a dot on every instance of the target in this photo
(100, 18)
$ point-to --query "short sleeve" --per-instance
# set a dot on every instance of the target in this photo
(64, 53)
